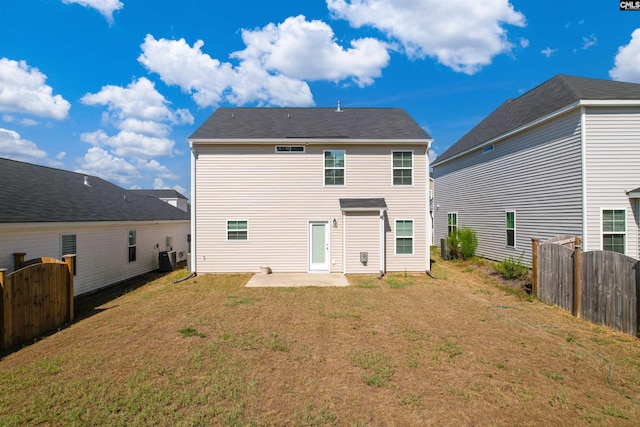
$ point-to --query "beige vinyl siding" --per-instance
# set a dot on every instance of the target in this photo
(363, 236)
(612, 168)
(102, 249)
(279, 193)
(536, 173)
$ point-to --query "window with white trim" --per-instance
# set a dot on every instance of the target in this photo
(404, 237)
(237, 230)
(68, 247)
(452, 223)
(402, 167)
(334, 167)
(614, 230)
(510, 226)
(132, 245)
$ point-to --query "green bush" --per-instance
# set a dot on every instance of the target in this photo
(462, 243)
(511, 268)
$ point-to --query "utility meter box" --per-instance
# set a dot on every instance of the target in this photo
(364, 257)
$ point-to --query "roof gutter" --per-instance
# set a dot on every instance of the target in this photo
(572, 106)
(306, 141)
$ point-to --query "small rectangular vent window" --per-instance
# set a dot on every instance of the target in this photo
(289, 149)
(487, 148)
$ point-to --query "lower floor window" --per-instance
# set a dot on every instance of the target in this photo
(614, 228)
(404, 237)
(511, 228)
(237, 230)
(132, 245)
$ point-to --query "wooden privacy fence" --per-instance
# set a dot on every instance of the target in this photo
(600, 286)
(35, 299)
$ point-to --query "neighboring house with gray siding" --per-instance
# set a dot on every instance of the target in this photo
(563, 158)
(310, 190)
(115, 233)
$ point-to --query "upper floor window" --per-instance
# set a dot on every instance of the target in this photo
(402, 167)
(334, 167)
(614, 230)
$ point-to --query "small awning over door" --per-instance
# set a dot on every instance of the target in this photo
(634, 194)
(362, 205)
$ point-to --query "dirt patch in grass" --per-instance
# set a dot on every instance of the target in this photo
(405, 350)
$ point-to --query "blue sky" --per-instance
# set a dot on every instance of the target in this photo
(114, 88)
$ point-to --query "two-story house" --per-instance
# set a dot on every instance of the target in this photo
(310, 190)
(561, 159)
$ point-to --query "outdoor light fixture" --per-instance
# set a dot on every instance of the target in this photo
(335, 222)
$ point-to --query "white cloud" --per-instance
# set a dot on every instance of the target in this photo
(105, 7)
(627, 61)
(273, 69)
(307, 50)
(23, 90)
(142, 116)
(548, 52)
(12, 146)
(587, 42)
(464, 37)
(100, 163)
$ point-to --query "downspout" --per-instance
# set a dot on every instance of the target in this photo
(428, 216)
(383, 249)
(583, 153)
(344, 243)
(194, 257)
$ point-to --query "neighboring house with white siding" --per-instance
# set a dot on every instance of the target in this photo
(563, 158)
(310, 190)
(115, 233)
(173, 197)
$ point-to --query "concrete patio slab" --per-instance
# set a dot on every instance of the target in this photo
(291, 280)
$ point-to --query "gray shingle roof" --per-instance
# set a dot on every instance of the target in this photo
(552, 95)
(362, 204)
(164, 193)
(282, 123)
(33, 193)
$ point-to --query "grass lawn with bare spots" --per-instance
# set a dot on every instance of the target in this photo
(405, 350)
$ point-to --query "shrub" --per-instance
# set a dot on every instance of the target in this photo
(462, 243)
(511, 268)
(468, 242)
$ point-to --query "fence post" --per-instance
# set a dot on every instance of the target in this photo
(535, 243)
(70, 260)
(577, 277)
(5, 310)
(18, 259)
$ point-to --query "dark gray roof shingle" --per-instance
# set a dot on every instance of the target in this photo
(33, 193)
(282, 123)
(164, 193)
(552, 95)
(362, 204)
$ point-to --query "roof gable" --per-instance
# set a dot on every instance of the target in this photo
(308, 123)
(556, 93)
(34, 193)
